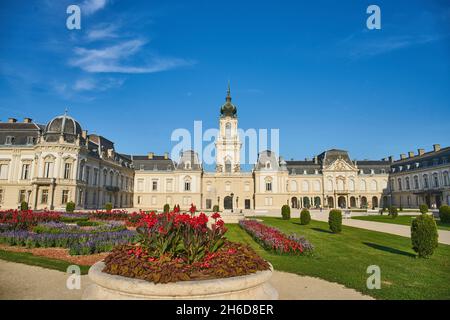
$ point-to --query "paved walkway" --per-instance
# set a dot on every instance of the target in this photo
(400, 230)
(19, 281)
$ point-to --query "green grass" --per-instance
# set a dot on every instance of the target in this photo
(29, 259)
(403, 220)
(344, 258)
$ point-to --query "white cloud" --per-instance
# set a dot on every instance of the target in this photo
(102, 32)
(91, 84)
(91, 6)
(111, 59)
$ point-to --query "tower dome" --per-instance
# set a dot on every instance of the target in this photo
(228, 109)
(62, 125)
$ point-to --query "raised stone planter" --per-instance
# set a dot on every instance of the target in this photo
(110, 287)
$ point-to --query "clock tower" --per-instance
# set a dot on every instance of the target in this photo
(228, 144)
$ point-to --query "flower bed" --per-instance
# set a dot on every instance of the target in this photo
(117, 215)
(177, 246)
(78, 243)
(273, 239)
(17, 219)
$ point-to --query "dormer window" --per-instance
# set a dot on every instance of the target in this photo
(141, 167)
(9, 140)
(305, 172)
(30, 140)
(268, 165)
(187, 166)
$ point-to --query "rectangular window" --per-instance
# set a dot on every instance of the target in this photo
(67, 170)
(9, 140)
(1, 195)
(44, 196)
(22, 196)
(95, 177)
(208, 204)
(88, 174)
(247, 204)
(4, 171)
(139, 199)
(30, 140)
(169, 185)
(48, 169)
(155, 185)
(25, 171)
(269, 186)
(65, 196)
(187, 186)
(140, 185)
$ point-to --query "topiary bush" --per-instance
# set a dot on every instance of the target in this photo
(216, 208)
(108, 206)
(424, 235)
(423, 208)
(166, 208)
(24, 206)
(393, 212)
(444, 214)
(70, 206)
(305, 217)
(335, 220)
(285, 212)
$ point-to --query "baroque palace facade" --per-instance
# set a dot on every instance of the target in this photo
(49, 165)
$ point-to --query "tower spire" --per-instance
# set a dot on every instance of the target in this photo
(228, 98)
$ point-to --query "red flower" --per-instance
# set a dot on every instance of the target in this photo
(215, 216)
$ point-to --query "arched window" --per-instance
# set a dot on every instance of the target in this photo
(268, 182)
(187, 165)
(268, 165)
(416, 182)
(330, 185)
(316, 185)
(425, 181)
(436, 180)
(363, 185)
(446, 181)
(305, 186)
(187, 184)
(228, 130)
(293, 186)
(340, 184)
(399, 181)
(407, 183)
(351, 185)
(374, 185)
(228, 166)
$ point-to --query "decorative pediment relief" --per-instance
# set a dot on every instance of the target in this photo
(340, 165)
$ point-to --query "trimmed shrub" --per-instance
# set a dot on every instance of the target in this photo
(216, 208)
(393, 212)
(108, 206)
(24, 206)
(285, 212)
(305, 217)
(166, 208)
(423, 208)
(335, 221)
(88, 223)
(424, 235)
(444, 214)
(70, 206)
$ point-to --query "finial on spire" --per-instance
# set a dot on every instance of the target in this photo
(228, 92)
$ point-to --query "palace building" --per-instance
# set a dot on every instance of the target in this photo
(50, 165)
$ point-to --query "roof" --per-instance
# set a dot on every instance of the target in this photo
(20, 132)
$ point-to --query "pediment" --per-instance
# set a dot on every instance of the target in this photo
(341, 165)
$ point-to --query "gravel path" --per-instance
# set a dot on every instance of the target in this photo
(19, 281)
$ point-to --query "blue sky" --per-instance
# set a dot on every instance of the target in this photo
(137, 70)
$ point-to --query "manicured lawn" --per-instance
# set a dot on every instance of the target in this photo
(403, 220)
(344, 258)
(28, 258)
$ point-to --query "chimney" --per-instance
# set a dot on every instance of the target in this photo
(166, 155)
(27, 120)
(12, 120)
(84, 134)
(150, 155)
(316, 160)
(436, 147)
(402, 156)
(411, 154)
(391, 159)
(420, 151)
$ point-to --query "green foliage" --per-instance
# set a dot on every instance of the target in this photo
(401, 208)
(108, 206)
(393, 212)
(166, 208)
(444, 214)
(286, 212)
(424, 235)
(305, 217)
(88, 223)
(24, 206)
(335, 220)
(423, 208)
(70, 207)
(73, 219)
(216, 208)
